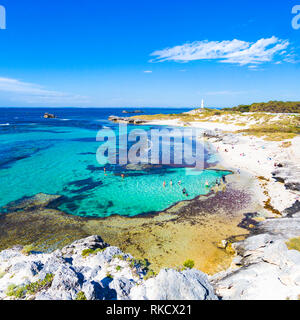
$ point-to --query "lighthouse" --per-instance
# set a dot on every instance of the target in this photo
(202, 104)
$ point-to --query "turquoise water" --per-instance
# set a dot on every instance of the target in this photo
(59, 157)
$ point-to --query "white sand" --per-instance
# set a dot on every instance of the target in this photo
(202, 125)
(255, 156)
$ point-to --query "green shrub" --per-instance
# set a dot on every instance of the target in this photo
(10, 291)
(118, 268)
(271, 106)
(150, 274)
(87, 252)
(28, 249)
(15, 291)
(80, 296)
(293, 244)
(189, 264)
(31, 288)
(39, 285)
(119, 256)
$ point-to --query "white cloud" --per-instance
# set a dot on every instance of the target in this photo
(234, 51)
(147, 71)
(26, 92)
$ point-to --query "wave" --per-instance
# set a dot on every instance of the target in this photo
(4, 124)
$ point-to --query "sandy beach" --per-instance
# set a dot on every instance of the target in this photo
(252, 155)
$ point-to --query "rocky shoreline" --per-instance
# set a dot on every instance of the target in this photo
(90, 269)
(127, 120)
(264, 264)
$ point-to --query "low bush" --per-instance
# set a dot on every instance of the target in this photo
(189, 264)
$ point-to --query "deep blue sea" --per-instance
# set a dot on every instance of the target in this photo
(58, 156)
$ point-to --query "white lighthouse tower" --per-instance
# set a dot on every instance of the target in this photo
(202, 104)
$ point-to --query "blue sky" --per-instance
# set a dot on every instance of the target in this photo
(148, 53)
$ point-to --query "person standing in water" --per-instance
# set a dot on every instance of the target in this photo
(122, 175)
(171, 183)
(164, 184)
(206, 184)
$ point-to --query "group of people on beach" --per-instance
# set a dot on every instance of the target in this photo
(184, 191)
(179, 184)
(207, 184)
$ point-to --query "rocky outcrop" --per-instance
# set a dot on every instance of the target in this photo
(218, 135)
(49, 116)
(173, 285)
(91, 269)
(264, 267)
(127, 120)
(133, 111)
(289, 174)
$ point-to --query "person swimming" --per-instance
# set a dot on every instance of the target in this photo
(184, 191)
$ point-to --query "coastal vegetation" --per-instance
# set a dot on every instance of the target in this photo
(257, 122)
(150, 274)
(281, 129)
(20, 292)
(81, 296)
(271, 106)
(87, 252)
(28, 249)
(294, 243)
(189, 264)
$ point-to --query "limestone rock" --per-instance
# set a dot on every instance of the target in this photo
(173, 285)
(103, 273)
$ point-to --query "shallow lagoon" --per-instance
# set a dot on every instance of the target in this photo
(58, 156)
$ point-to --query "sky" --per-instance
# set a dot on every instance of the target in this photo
(148, 53)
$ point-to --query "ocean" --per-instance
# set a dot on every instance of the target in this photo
(58, 156)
